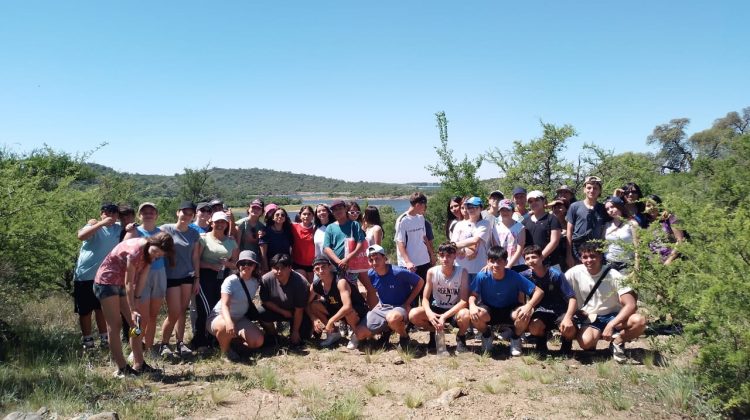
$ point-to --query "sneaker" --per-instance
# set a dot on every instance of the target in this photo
(183, 350)
(618, 352)
(505, 334)
(231, 356)
(566, 346)
(461, 346)
(125, 372)
(344, 329)
(384, 340)
(487, 343)
(403, 342)
(515, 347)
(88, 343)
(331, 339)
(154, 353)
(146, 368)
(353, 342)
(165, 352)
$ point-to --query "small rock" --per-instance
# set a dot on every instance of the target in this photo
(446, 397)
(43, 411)
(105, 415)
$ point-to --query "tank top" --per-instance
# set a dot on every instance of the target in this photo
(332, 299)
(445, 291)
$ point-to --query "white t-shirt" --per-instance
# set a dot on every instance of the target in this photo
(466, 229)
(606, 299)
(617, 237)
(238, 303)
(318, 237)
(412, 232)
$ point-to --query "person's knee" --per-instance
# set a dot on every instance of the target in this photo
(537, 328)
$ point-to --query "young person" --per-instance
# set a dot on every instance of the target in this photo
(606, 312)
(284, 295)
(230, 320)
(303, 243)
(453, 215)
(519, 200)
(492, 213)
(499, 289)
(445, 298)
(472, 237)
(542, 228)
(278, 237)
(247, 232)
(586, 219)
(323, 217)
(98, 239)
(557, 307)
(396, 288)
(372, 225)
(203, 213)
(119, 281)
(621, 233)
(511, 235)
(333, 299)
(411, 237)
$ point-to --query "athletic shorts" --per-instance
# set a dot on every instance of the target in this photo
(550, 319)
(600, 323)
(500, 316)
(376, 318)
(332, 309)
(103, 291)
(84, 299)
(440, 311)
(179, 282)
(156, 285)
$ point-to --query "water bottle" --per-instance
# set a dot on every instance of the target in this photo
(440, 348)
(220, 274)
(135, 330)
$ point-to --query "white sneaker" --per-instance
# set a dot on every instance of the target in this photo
(618, 352)
(88, 343)
(515, 347)
(505, 334)
(131, 359)
(353, 342)
(487, 343)
(331, 339)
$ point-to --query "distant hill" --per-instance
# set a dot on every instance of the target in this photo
(239, 184)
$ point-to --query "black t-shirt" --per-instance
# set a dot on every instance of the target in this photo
(540, 233)
(332, 299)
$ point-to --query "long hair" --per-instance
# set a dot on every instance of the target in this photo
(302, 209)
(353, 205)
(318, 222)
(286, 227)
(450, 217)
(163, 241)
(372, 216)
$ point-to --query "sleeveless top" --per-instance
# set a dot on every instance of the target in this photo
(445, 291)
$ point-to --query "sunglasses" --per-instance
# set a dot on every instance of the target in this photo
(245, 263)
(631, 192)
(354, 212)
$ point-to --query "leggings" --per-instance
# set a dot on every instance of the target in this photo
(207, 298)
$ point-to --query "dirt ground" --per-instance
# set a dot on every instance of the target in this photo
(377, 383)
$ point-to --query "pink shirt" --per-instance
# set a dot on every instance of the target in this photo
(115, 264)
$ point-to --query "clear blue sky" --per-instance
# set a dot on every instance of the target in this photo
(349, 89)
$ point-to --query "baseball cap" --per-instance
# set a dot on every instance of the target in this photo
(256, 203)
(474, 201)
(497, 193)
(592, 180)
(219, 215)
(559, 200)
(565, 187)
(186, 205)
(375, 249)
(615, 200)
(110, 208)
(505, 204)
(216, 202)
(147, 204)
(270, 207)
(248, 255)
(519, 190)
(202, 205)
(320, 260)
(535, 194)
(335, 203)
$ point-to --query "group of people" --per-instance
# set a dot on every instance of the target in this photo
(502, 265)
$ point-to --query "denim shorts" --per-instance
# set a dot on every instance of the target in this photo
(600, 323)
(103, 291)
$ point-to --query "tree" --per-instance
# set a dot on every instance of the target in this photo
(537, 164)
(715, 142)
(197, 184)
(617, 170)
(457, 177)
(676, 153)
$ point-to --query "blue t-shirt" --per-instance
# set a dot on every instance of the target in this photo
(335, 236)
(395, 286)
(158, 263)
(557, 291)
(501, 293)
(197, 228)
(94, 249)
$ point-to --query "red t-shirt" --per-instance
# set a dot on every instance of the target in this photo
(303, 248)
(115, 264)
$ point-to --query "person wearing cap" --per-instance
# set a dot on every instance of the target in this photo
(411, 237)
(218, 205)
(511, 235)
(494, 300)
(542, 229)
(445, 298)
(586, 219)
(231, 319)
(493, 211)
(151, 297)
(610, 312)
(284, 295)
(247, 232)
(472, 238)
(218, 253)
(396, 289)
(182, 280)
(566, 192)
(519, 201)
(335, 243)
(97, 238)
(202, 223)
(332, 299)
(621, 234)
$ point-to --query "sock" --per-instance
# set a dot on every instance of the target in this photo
(487, 332)
(461, 338)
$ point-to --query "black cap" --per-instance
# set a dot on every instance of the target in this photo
(187, 204)
(216, 202)
(202, 205)
(320, 260)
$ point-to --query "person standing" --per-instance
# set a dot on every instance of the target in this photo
(493, 210)
(586, 219)
(542, 229)
(519, 201)
(411, 237)
(248, 228)
(472, 238)
(98, 239)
